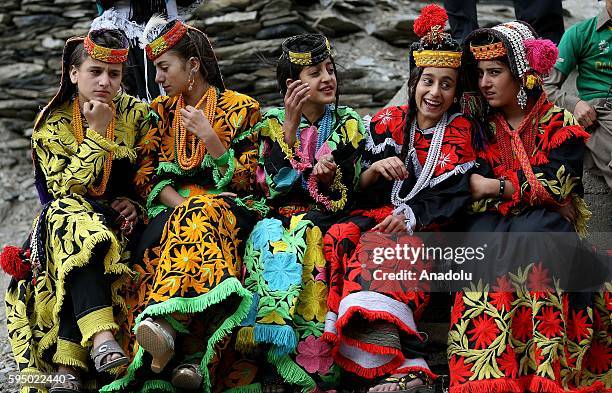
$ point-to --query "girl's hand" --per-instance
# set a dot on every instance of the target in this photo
(295, 97)
(196, 122)
(391, 168)
(392, 224)
(98, 115)
(126, 209)
(325, 169)
(568, 212)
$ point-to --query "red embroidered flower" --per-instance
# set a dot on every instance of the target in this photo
(522, 324)
(458, 309)
(599, 358)
(484, 332)
(459, 371)
(448, 159)
(577, 326)
(508, 364)
(503, 295)
(390, 120)
(539, 281)
(550, 322)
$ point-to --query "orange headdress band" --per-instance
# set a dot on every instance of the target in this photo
(161, 44)
(106, 55)
(488, 51)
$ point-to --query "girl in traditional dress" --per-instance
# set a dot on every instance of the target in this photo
(310, 160)
(418, 158)
(84, 151)
(519, 339)
(196, 170)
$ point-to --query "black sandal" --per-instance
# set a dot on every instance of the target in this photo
(70, 385)
(187, 376)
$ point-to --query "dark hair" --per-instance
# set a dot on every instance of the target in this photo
(285, 69)
(196, 44)
(74, 54)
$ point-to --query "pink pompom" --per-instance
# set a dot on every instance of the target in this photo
(541, 55)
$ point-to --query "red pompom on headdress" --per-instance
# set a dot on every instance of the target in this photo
(14, 262)
(431, 16)
(541, 55)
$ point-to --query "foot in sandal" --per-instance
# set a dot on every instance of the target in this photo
(157, 338)
(417, 382)
(106, 352)
(69, 383)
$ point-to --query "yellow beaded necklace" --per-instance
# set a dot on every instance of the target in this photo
(77, 129)
(193, 158)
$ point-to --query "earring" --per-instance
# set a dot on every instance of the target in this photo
(455, 100)
(191, 80)
(521, 97)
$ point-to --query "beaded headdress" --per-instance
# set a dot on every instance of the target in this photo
(435, 48)
(161, 44)
(530, 58)
(107, 55)
(156, 43)
(320, 51)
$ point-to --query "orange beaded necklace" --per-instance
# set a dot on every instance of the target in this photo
(77, 128)
(188, 160)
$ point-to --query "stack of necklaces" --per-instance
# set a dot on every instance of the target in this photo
(323, 132)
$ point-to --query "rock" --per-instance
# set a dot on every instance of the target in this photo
(12, 127)
(396, 31)
(74, 14)
(18, 70)
(334, 22)
(41, 9)
(232, 18)
(249, 49)
(218, 7)
(15, 144)
(281, 30)
(38, 22)
(52, 43)
(67, 33)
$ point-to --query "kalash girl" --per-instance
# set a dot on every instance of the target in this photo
(418, 160)
(309, 166)
(515, 338)
(84, 150)
(196, 169)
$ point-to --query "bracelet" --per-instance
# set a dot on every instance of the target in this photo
(502, 188)
(223, 158)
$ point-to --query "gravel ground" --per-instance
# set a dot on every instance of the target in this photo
(17, 211)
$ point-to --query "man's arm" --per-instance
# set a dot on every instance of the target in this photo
(553, 84)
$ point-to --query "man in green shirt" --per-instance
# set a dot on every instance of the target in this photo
(588, 46)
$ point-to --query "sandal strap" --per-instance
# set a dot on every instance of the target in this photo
(99, 353)
(71, 382)
(189, 366)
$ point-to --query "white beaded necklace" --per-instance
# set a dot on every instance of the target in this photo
(433, 155)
